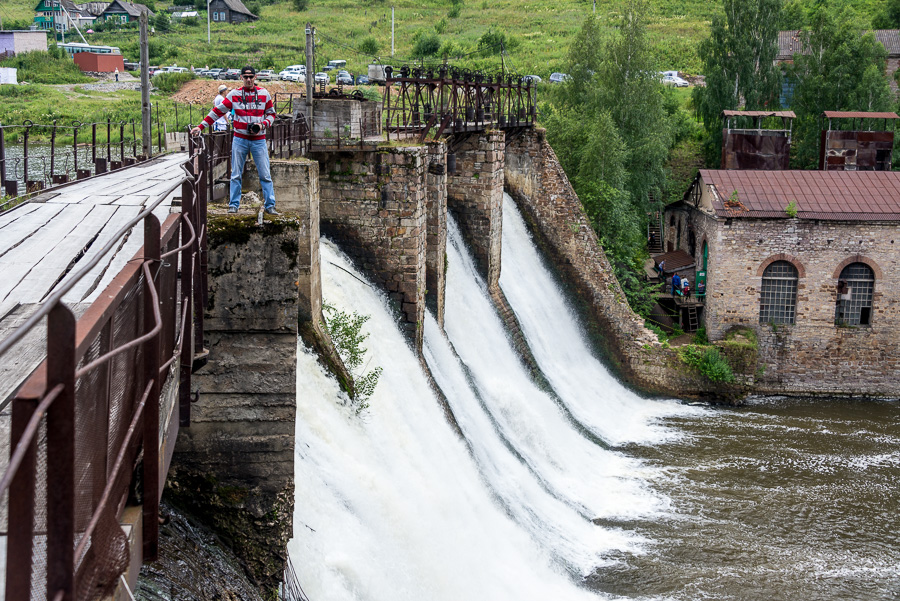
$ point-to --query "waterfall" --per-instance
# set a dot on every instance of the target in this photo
(589, 391)
(392, 504)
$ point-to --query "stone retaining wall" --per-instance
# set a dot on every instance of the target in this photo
(535, 179)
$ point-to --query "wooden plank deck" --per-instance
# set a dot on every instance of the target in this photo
(43, 242)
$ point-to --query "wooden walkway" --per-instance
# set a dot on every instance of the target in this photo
(43, 242)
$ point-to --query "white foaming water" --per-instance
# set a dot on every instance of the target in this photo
(596, 481)
(595, 398)
(390, 505)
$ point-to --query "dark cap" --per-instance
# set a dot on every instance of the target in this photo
(248, 70)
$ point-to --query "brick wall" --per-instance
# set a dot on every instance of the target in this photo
(475, 197)
(813, 355)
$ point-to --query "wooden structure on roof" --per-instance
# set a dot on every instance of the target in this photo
(856, 141)
(747, 145)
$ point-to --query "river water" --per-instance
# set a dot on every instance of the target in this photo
(584, 490)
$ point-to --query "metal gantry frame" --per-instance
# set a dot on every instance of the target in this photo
(453, 100)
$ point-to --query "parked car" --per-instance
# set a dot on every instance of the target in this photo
(214, 73)
(559, 77)
(531, 79)
(335, 64)
(230, 74)
(295, 76)
(322, 77)
(292, 69)
(362, 80)
(265, 75)
(344, 78)
(671, 78)
(675, 81)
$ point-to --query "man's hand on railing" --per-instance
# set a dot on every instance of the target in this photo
(195, 131)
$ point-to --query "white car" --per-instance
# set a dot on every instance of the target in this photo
(295, 76)
(292, 69)
(322, 78)
(671, 78)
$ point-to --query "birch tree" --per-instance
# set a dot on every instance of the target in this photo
(738, 61)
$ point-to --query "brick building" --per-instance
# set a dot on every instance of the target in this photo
(809, 260)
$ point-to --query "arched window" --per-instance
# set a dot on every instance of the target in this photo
(855, 288)
(778, 301)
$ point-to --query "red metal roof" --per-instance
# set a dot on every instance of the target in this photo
(788, 114)
(859, 115)
(838, 195)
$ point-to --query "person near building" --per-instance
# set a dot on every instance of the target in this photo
(117, 74)
(676, 284)
(221, 124)
(254, 112)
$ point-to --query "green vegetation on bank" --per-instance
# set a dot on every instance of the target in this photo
(52, 66)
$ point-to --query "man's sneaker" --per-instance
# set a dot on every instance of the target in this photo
(232, 209)
(272, 211)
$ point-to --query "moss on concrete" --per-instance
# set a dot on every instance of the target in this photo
(237, 228)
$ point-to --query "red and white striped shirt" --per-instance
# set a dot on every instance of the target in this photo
(250, 106)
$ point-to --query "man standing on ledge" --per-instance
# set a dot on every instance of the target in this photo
(253, 113)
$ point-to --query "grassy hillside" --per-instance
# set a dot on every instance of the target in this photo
(538, 32)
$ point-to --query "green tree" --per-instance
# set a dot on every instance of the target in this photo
(844, 70)
(426, 44)
(301, 5)
(628, 87)
(161, 22)
(738, 59)
(611, 130)
(369, 46)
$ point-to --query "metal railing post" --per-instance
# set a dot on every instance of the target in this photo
(61, 454)
(20, 542)
(151, 409)
(187, 294)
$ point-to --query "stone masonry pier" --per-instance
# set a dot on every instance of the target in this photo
(475, 197)
(373, 204)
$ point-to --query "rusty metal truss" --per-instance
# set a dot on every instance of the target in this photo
(455, 101)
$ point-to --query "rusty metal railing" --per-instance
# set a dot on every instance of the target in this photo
(86, 426)
(73, 152)
(418, 101)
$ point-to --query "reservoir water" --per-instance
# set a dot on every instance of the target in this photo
(583, 491)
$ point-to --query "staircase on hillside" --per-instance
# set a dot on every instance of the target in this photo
(692, 321)
(654, 234)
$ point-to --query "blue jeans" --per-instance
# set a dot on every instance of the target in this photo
(239, 149)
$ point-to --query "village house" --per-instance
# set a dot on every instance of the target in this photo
(124, 12)
(809, 260)
(61, 15)
(790, 43)
(230, 11)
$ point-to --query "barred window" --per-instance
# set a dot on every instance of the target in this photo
(855, 289)
(778, 301)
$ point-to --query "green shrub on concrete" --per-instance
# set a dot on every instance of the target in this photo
(708, 361)
(346, 333)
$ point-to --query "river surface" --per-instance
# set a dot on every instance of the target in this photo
(579, 488)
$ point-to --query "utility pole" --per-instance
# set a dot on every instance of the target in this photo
(208, 39)
(502, 64)
(595, 7)
(310, 77)
(392, 32)
(146, 139)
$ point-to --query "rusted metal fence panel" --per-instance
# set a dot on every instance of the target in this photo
(86, 426)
